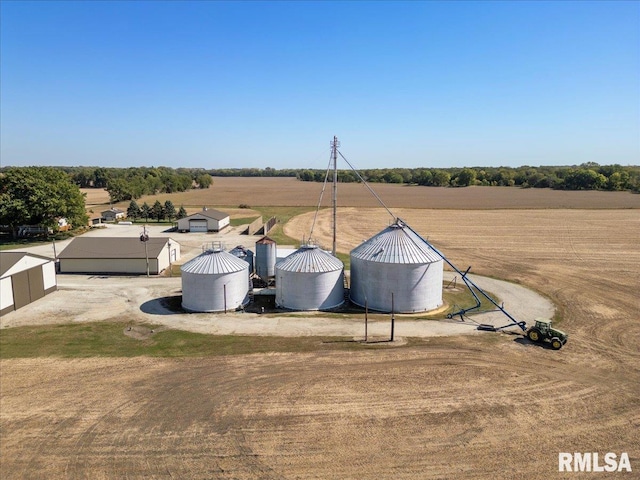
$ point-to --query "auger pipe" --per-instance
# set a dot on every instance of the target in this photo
(469, 283)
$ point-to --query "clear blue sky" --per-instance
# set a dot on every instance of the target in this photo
(257, 84)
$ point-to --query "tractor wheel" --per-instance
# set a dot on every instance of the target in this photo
(534, 335)
(556, 344)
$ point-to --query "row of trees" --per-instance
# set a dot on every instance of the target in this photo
(584, 177)
(39, 196)
(132, 183)
(157, 211)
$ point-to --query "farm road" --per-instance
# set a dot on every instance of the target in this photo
(86, 298)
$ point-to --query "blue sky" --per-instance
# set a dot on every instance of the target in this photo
(257, 84)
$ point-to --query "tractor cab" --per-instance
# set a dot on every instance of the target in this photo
(543, 325)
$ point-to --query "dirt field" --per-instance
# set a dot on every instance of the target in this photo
(460, 407)
(232, 191)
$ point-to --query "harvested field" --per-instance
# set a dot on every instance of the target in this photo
(233, 191)
(465, 407)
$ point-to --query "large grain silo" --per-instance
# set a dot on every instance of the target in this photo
(310, 279)
(215, 281)
(396, 261)
(265, 260)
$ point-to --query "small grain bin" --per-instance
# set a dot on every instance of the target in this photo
(244, 254)
(396, 261)
(215, 281)
(266, 258)
(310, 279)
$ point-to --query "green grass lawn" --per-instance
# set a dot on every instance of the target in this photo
(103, 339)
(236, 222)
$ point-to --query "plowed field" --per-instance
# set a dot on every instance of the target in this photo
(468, 407)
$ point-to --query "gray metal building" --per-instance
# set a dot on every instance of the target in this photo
(121, 255)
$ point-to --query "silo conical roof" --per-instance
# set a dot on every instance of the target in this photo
(395, 244)
(214, 262)
(310, 259)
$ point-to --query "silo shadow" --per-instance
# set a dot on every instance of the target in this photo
(169, 305)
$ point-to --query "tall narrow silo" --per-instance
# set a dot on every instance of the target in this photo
(215, 281)
(310, 279)
(266, 258)
(396, 263)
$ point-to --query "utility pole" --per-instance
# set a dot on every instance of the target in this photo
(144, 238)
(334, 154)
(393, 318)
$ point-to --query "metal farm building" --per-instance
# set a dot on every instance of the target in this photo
(396, 263)
(310, 279)
(215, 281)
(24, 278)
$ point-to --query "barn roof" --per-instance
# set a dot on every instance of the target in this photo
(210, 213)
(9, 259)
(113, 247)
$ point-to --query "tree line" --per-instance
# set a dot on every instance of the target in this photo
(157, 211)
(134, 182)
(588, 176)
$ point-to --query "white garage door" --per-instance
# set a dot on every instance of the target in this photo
(198, 226)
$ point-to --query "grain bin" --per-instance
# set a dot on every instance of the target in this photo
(309, 279)
(215, 281)
(244, 254)
(265, 258)
(396, 261)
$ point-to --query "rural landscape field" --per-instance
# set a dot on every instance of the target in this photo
(456, 407)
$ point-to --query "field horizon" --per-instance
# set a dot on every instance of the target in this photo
(289, 192)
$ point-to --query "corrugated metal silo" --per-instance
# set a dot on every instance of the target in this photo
(266, 258)
(245, 254)
(215, 281)
(310, 279)
(396, 261)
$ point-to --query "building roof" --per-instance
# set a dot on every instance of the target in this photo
(310, 259)
(209, 213)
(114, 210)
(214, 262)
(9, 259)
(396, 244)
(113, 247)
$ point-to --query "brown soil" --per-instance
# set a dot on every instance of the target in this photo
(233, 191)
(464, 407)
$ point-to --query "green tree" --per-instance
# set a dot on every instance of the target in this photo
(145, 211)
(39, 196)
(204, 180)
(169, 210)
(157, 210)
(584, 179)
(465, 177)
(440, 178)
(182, 212)
(133, 211)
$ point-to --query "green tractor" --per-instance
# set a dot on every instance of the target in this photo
(543, 331)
